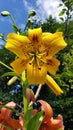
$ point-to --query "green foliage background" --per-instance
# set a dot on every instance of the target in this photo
(64, 77)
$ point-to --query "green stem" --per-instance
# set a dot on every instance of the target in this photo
(25, 26)
(12, 19)
(24, 97)
(6, 66)
(25, 85)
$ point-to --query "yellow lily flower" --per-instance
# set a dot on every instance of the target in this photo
(35, 53)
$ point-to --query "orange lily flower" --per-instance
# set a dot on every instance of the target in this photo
(48, 122)
(5, 118)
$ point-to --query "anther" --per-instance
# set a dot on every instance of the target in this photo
(29, 63)
(39, 68)
(37, 105)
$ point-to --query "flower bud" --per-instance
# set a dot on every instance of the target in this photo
(32, 13)
(1, 36)
(12, 80)
(5, 13)
(30, 21)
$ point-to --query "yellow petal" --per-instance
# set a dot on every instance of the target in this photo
(19, 65)
(53, 85)
(36, 75)
(53, 43)
(52, 65)
(17, 44)
(35, 35)
(46, 34)
(19, 38)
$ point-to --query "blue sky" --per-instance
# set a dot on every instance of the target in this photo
(20, 8)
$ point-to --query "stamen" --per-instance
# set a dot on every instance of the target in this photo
(38, 64)
(43, 61)
(31, 61)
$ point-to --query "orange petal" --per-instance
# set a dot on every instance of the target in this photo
(14, 124)
(47, 109)
(6, 112)
(56, 124)
(30, 95)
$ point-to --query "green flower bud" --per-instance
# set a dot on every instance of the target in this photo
(1, 35)
(30, 21)
(32, 13)
(5, 13)
(12, 80)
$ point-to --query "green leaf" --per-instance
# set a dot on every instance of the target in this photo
(15, 28)
(29, 113)
(62, 12)
(23, 34)
(35, 121)
(71, 81)
(12, 109)
(8, 74)
(61, 18)
(60, 5)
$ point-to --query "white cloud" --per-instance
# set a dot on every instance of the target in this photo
(48, 7)
(44, 8)
(27, 5)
